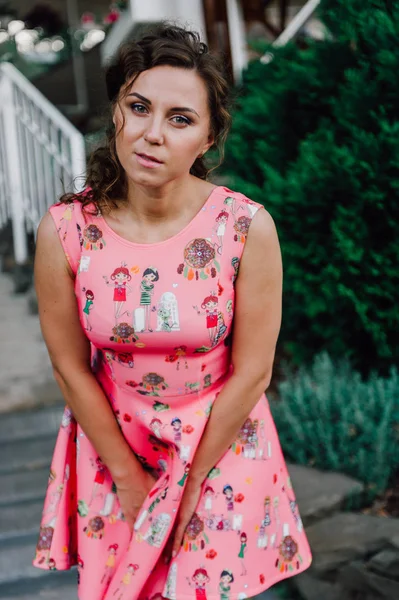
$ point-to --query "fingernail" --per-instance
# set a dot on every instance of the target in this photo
(174, 553)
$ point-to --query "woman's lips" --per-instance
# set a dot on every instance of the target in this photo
(146, 161)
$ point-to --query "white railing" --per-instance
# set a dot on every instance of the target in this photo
(293, 28)
(41, 154)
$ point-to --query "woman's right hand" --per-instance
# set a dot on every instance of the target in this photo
(132, 493)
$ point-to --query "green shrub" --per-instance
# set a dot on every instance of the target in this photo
(330, 418)
(315, 140)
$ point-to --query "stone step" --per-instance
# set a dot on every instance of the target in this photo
(26, 374)
(16, 562)
(320, 493)
(30, 424)
(56, 587)
(23, 487)
(18, 576)
(26, 455)
(20, 520)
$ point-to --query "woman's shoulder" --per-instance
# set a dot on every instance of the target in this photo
(65, 210)
(244, 210)
(240, 198)
(75, 205)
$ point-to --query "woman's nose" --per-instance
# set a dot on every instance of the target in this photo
(153, 133)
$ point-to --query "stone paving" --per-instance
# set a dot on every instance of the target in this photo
(25, 371)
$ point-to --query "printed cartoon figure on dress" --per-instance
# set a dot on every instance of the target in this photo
(221, 223)
(293, 504)
(215, 322)
(55, 498)
(209, 496)
(126, 581)
(88, 307)
(99, 479)
(179, 353)
(119, 281)
(142, 315)
(110, 564)
(65, 221)
(199, 581)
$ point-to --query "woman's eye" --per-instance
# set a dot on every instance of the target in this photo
(180, 120)
(139, 108)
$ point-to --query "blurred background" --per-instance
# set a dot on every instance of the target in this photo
(315, 140)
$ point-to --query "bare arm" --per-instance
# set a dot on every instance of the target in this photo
(69, 351)
(257, 319)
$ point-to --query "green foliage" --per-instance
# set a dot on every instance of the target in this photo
(315, 139)
(330, 418)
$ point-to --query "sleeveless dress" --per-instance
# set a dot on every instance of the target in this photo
(159, 319)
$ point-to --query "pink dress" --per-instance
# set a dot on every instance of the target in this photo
(177, 369)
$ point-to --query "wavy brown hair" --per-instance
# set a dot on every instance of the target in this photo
(165, 44)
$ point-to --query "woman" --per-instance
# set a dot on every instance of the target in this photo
(148, 194)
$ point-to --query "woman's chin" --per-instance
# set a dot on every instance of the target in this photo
(150, 179)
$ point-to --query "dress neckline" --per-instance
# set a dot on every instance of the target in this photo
(190, 224)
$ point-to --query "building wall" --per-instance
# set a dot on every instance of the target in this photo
(188, 13)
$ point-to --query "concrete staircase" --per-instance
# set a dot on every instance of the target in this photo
(26, 444)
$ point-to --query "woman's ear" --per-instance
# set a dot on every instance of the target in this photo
(210, 142)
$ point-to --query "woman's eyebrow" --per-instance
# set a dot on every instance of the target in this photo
(140, 97)
(184, 109)
(175, 108)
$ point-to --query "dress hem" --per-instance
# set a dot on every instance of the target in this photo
(252, 592)
(65, 566)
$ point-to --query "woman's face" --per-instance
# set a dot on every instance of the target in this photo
(167, 118)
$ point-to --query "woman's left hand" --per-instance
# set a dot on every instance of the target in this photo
(188, 505)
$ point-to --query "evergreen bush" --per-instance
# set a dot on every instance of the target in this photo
(328, 417)
(315, 139)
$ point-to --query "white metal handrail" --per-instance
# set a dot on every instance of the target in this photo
(293, 28)
(41, 154)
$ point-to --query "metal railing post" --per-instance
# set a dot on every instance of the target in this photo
(78, 162)
(293, 28)
(14, 168)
